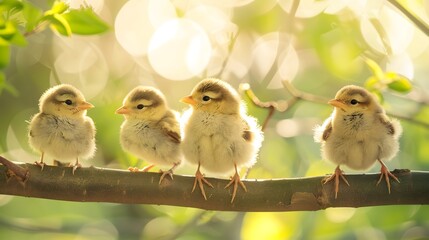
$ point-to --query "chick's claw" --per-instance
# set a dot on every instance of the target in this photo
(336, 175)
(40, 164)
(75, 166)
(199, 177)
(169, 172)
(235, 180)
(164, 174)
(384, 171)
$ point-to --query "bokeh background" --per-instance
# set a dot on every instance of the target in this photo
(172, 45)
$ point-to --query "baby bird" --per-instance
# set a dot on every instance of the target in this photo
(61, 129)
(150, 130)
(218, 135)
(357, 134)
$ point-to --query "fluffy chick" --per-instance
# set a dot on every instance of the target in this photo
(357, 134)
(151, 130)
(218, 134)
(61, 129)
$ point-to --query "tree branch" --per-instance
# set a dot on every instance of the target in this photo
(301, 194)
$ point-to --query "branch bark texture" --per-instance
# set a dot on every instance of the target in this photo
(299, 194)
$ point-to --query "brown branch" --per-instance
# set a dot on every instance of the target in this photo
(301, 194)
(14, 170)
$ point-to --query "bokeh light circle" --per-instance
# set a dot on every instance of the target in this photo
(398, 31)
(137, 20)
(274, 48)
(179, 49)
(81, 64)
(306, 8)
(401, 64)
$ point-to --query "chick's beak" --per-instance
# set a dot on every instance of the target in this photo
(189, 100)
(338, 103)
(85, 106)
(122, 110)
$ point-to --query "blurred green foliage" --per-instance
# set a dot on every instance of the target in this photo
(21, 18)
(333, 47)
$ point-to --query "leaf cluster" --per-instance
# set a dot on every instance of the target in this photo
(20, 18)
(381, 80)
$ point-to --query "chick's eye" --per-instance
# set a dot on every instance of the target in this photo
(68, 102)
(140, 106)
(354, 102)
(206, 98)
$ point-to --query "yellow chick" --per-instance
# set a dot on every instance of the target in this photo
(357, 134)
(151, 130)
(61, 129)
(218, 134)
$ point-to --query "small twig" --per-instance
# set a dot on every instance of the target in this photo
(383, 35)
(231, 45)
(411, 120)
(40, 27)
(317, 99)
(14, 170)
(272, 106)
(420, 24)
(303, 95)
(300, 95)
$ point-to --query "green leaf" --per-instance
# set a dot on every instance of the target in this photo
(398, 82)
(7, 5)
(85, 22)
(59, 24)
(32, 15)
(8, 30)
(373, 83)
(18, 39)
(10, 34)
(375, 68)
(4, 55)
(2, 82)
(57, 8)
(6, 86)
(4, 42)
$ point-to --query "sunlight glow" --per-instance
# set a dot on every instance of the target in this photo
(265, 226)
(179, 49)
(274, 48)
(398, 30)
(288, 67)
(295, 127)
(81, 64)
(136, 22)
(401, 64)
(339, 215)
(306, 8)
